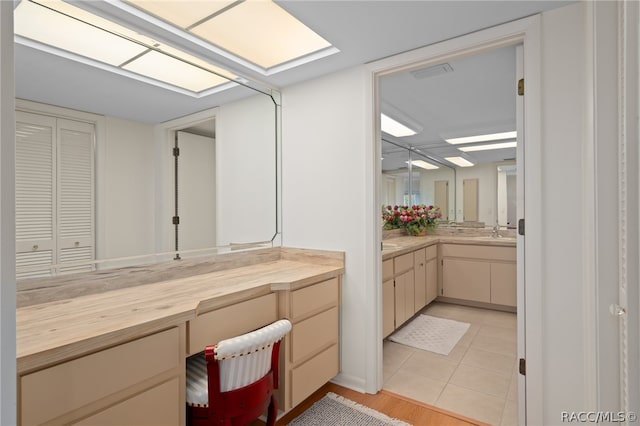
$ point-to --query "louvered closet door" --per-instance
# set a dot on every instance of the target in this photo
(75, 209)
(35, 194)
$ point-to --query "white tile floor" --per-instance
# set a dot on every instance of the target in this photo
(478, 378)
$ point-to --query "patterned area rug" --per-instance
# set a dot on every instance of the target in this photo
(336, 410)
(431, 334)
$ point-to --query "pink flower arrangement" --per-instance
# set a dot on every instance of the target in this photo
(414, 219)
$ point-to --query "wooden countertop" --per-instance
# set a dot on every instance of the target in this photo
(395, 246)
(50, 332)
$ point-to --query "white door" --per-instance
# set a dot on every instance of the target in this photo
(196, 192)
(75, 184)
(54, 195)
(35, 194)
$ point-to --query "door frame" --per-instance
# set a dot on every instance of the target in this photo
(526, 32)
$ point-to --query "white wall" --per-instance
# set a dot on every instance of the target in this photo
(7, 221)
(564, 133)
(325, 184)
(246, 148)
(326, 157)
(126, 190)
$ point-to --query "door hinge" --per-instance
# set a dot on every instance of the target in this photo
(175, 220)
(521, 226)
(521, 87)
(176, 151)
(522, 368)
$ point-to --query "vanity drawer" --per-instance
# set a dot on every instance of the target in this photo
(157, 406)
(230, 321)
(313, 298)
(57, 390)
(479, 252)
(310, 376)
(310, 335)
(402, 263)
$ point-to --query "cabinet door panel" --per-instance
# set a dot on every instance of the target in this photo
(503, 284)
(388, 308)
(404, 297)
(420, 280)
(466, 279)
(431, 280)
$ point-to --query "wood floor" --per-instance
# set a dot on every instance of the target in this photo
(393, 405)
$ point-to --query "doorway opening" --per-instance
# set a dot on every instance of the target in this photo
(483, 365)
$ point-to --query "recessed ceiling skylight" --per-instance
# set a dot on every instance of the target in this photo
(423, 164)
(258, 31)
(394, 128)
(488, 147)
(459, 161)
(97, 41)
(483, 138)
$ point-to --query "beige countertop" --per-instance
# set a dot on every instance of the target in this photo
(62, 329)
(398, 245)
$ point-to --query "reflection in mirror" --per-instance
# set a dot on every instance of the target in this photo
(432, 186)
(95, 171)
(506, 189)
(462, 108)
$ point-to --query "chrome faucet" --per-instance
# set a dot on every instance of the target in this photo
(496, 231)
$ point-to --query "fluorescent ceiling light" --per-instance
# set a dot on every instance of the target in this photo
(94, 40)
(258, 31)
(45, 26)
(394, 128)
(483, 138)
(423, 164)
(182, 13)
(488, 146)
(459, 161)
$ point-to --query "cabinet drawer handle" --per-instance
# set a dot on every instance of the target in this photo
(35, 247)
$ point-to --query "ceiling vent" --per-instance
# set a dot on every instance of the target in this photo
(432, 71)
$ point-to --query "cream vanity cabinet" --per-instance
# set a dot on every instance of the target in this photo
(425, 276)
(311, 351)
(142, 381)
(139, 382)
(479, 273)
(409, 283)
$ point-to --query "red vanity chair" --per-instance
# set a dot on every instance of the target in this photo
(232, 383)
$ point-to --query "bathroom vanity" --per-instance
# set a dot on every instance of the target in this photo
(118, 356)
(468, 269)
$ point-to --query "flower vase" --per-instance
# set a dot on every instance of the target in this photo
(417, 232)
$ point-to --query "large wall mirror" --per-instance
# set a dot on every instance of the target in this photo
(410, 177)
(453, 123)
(145, 153)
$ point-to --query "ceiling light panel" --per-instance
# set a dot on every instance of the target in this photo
(394, 128)
(173, 71)
(270, 36)
(459, 161)
(483, 138)
(98, 39)
(182, 13)
(488, 147)
(424, 165)
(44, 25)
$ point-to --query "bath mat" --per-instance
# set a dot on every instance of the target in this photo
(431, 334)
(336, 410)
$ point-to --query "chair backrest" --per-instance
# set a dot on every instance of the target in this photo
(247, 358)
(234, 382)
